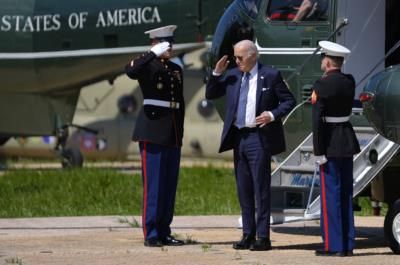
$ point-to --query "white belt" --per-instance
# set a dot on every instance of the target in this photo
(161, 103)
(336, 119)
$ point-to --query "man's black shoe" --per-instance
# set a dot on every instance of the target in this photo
(322, 252)
(349, 253)
(171, 241)
(261, 244)
(245, 242)
(153, 242)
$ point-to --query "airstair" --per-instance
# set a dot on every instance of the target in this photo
(295, 182)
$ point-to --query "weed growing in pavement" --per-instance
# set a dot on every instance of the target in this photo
(14, 260)
(133, 224)
(205, 247)
(177, 236)
(190, 240)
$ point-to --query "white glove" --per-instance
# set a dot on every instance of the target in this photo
(320, 160)
(160, 48)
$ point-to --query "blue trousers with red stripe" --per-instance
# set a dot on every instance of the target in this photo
(160, 170)
(337, 219)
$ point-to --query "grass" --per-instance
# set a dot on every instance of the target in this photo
(91, 192)
(366, 209)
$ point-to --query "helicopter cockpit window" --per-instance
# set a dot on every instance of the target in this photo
(298, 10)
(127, 104)
(206, 108)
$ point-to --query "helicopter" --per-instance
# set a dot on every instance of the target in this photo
(50, 51)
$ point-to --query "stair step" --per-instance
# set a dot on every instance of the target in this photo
(288, 211)
(364, 130)
(306, 148)
(299, 168)
(285, 188)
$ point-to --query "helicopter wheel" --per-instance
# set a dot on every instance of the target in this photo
(71, 158)
(392, 227)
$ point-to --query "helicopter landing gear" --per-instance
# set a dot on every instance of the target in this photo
(70, 157)
(392, 227)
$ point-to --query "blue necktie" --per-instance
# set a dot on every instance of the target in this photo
(241, 110)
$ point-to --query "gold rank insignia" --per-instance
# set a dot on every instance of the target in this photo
(160, 86)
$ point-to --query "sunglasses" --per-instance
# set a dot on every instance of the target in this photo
(239, 58)
(167, 39)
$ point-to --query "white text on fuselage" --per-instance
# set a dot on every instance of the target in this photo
(79, 20)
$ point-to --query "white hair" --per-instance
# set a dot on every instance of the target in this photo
(248, 45)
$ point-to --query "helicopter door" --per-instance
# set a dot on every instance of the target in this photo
(287, 35)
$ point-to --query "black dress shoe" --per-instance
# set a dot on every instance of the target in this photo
(171, 241)
(153, 242)
(261, 244)
(322, 252)
(245, 242)
(349, 253)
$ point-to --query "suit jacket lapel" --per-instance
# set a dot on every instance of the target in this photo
(237, 90)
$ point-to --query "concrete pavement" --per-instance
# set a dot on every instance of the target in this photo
(119, 240)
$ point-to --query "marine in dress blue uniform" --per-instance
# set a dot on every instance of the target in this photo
(335, 143)
(159, 131)
(256, 100)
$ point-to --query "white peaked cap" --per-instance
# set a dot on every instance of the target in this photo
(333, 49)
(163, 32)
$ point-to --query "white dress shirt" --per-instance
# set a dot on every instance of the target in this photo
(251, 98)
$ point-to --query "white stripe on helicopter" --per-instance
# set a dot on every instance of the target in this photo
(291, 51)
(89, 52)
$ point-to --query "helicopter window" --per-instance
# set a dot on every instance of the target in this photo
(205, 108)
(298, 10)
(127, 104)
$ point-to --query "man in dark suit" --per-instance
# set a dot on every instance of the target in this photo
(159, 131)
(256, 100)
(335, 143)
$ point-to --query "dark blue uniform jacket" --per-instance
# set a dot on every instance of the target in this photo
(159, 79)
(335, 95)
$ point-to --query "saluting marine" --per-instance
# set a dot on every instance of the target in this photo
(335, 143)
(159, 131)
